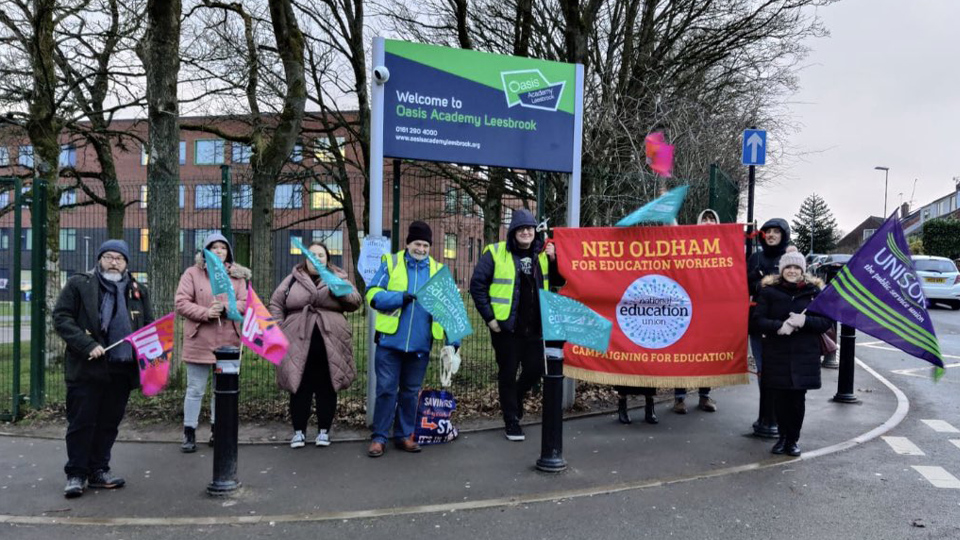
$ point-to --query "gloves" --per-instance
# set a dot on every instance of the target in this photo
(407, 298)
(786, 329)
(450, 362)
(797, 320)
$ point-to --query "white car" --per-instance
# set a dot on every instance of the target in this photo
(939, 278)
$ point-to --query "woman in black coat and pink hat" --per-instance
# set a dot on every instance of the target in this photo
(791, 344)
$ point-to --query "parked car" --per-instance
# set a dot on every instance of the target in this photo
(830, 266)
(939, 279)
(814, 260)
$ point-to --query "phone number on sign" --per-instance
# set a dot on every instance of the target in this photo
(417, 131)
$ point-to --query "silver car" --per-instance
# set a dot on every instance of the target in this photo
(940, 280)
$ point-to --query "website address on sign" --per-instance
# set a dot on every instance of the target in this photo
(442, 142)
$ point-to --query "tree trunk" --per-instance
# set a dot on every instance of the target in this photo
(160, 53)
(493, 207)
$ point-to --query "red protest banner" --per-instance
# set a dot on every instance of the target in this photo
(677, 298)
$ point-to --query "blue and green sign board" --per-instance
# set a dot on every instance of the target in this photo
(461, 106)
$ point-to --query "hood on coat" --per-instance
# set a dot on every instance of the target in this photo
(218, 237)
(775, 279)
(705, 212)
(235, 270)
(523, 218)
(781, 248)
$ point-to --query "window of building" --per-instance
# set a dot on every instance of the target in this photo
(144, 193)
(296, 155)
(325, 197)
(140, 276)
(449, 246)
(450, 200)
(200, 235)
(4, 198)
(68, 197)
(25, 155)
(145, 158)
(470, 249)
(466, 204)
(944, 207)
(240, 153)
(4, 156)
(26, 239)
(207, 196)
(288, 196)
(324, 152)
(332, 238)
(145, 240)
(68, 239)
(5, 239)
(867, 233)
(68, 156)
(4, 279)
(507, 215)
(243, 196)
(296, 250)
(209, 152)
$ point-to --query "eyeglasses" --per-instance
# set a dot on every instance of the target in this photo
(113, 258)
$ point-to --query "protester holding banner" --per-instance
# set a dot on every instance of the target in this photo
(404, 334)
(505, 287)
(94, 310)
(319, 361)
(206, 327)
(791, 344)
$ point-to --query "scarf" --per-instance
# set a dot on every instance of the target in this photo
(115, 320)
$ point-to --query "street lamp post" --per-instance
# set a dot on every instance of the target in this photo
(886, 177)
(86, 254)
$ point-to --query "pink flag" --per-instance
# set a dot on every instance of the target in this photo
(260, 332)
(153, 345)
(659, 154)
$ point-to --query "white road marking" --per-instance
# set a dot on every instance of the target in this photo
(874, 345)
(956, 442)
(938, 476)
(941, 426)
(903, 446)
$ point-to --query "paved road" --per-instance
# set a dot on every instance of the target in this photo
(638, 481)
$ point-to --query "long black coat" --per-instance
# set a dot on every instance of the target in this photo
(76, 318)
(789, 362)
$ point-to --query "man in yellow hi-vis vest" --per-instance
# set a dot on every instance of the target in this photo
(405, 334)
(505, 288)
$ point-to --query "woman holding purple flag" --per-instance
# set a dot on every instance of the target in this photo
(319, 362)
(791, 344)
(205, 328)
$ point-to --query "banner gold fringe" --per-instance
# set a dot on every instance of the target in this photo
(619, 379)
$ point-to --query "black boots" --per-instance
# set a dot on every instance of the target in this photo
(189, 444)
(649, 415)
(212, 431)
(766, 424)
(778, 448)
(622, 413)
(783, 446)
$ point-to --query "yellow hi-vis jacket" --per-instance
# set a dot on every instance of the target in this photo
(388, 323)
(504, 277)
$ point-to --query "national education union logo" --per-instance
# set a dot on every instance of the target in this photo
(654, 312)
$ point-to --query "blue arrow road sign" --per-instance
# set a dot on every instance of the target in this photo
(754, 147)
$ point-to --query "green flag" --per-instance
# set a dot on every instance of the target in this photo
(663, 209)
(565, 319)
(440, 297)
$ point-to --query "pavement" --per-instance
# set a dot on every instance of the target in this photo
(481, 469)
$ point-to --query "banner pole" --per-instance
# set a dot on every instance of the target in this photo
(573, 197)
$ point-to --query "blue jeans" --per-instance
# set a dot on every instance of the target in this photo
(399, 378)
(756, 345)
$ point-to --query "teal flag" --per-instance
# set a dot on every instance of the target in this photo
(338, 286)
(220, 284)
(565, 319)
(440, 297)
(663, 209)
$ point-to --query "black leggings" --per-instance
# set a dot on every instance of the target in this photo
(515, 352)
(789, 406)
(315, 382)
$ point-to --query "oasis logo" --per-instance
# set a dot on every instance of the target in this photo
(530, 89)
(654, 312)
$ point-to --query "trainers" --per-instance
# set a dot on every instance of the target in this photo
(514, 432)
(75, 486)
(104, 480)
(298, 440)
(707, 404)
(679, 406)
(189, 444)
(323, 438)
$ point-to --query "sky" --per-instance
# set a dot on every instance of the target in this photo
(882, 90)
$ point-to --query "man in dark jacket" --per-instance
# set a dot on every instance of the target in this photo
(97, 309)
(505, 288)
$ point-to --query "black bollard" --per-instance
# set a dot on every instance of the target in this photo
(551, 441)
(227, 393)
(848, 339)
(766, 427)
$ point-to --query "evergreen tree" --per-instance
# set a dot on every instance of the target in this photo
(815, 215)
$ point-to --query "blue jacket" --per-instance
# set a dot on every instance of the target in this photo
(413, 333)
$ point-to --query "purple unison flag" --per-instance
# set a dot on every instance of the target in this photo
(879, 293)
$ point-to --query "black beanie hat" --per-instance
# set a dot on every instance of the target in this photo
(117, 246)
(420, 231)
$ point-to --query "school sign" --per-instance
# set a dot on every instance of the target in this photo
(469, 107)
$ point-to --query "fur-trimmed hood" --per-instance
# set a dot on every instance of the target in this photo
(235, 270)
(776, 279)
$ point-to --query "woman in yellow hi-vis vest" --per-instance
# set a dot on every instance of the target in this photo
(505, 288)
(405, 333)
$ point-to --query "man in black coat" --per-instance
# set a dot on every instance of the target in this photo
(97, 309)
